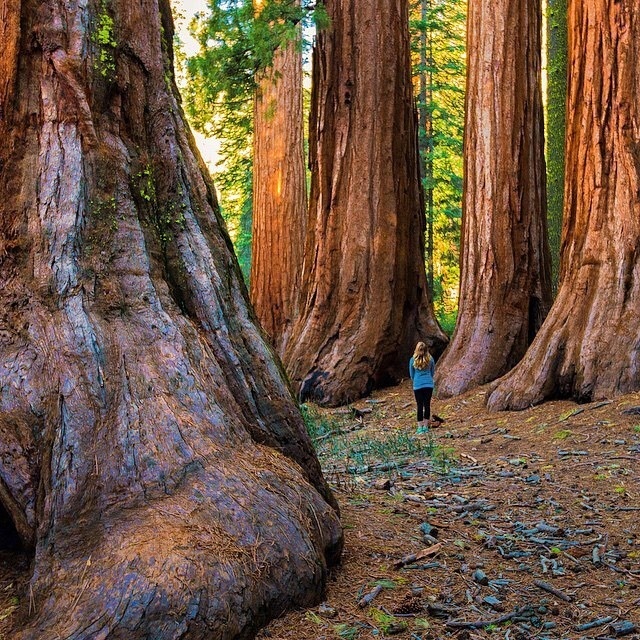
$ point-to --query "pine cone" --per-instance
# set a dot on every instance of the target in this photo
(410, 604)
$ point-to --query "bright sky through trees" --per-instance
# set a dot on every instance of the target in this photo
(184, 11)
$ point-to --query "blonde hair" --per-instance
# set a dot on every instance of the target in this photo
(421, 356)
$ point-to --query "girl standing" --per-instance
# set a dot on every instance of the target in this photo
(422, 370)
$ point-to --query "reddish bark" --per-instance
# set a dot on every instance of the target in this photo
(364, 298)
(505, 280)
(588, 347)
(279, 194)
(150, 451)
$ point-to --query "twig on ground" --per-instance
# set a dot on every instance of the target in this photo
(545, 586)
(369, 597)
(479, 624)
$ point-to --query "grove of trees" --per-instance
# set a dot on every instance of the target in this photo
(588, 347)
(364, 296)
(153, 457)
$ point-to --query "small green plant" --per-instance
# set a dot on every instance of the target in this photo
(422, 624)
(103, 207)
(443, 457)
(386, 622)
(313, 617)
(636, 428)
(318, 426)
(104, 37)
(385, 583)
(563, 434)
(345, 631)
(146, 184)
(568, 414)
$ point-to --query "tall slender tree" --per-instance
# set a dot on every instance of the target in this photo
(425, 122)
(505, 273)
(437, 30)
(588, 346)
(364, 300)
(279, 193)
(151, 453)
(556, 125)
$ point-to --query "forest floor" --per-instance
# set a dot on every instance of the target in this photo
(494, 525)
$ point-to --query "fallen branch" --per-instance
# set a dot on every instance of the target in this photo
(545, 586)
(479, 624)
(367, 599)
(596, 623)
(579, 410)
(413, 557)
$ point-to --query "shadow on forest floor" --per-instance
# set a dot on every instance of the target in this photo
(496, 525)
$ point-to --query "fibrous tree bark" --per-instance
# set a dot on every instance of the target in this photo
(505, 272)
(279, 194)
(588, 346)
(151, 453)
(364, 298)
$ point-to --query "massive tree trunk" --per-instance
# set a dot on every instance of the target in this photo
(364, 298)
(279, 194)
(556, 126)
(151, 453)
(505, 273)
(588, 347)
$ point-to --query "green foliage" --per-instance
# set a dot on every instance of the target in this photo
(387, 622)
(446, 318)
(105, 209)
(237, 43)
(555, 116)
(318, 426)
(103, 35)
(146, 184)
(363, 451)
(438, 29)
(346, 632)
(386, 583)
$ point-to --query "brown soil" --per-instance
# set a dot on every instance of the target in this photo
(547, 495)
(550, 494)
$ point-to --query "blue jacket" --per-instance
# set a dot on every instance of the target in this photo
(422, 378)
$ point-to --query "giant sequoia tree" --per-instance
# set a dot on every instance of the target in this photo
(150, 451)
(279, 193)
(364, 299)
(505, 272)
(588, 347)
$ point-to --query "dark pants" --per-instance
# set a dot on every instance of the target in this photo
(423, 400)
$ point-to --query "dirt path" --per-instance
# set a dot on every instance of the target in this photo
(521, 525)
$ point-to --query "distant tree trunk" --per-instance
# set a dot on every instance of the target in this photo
(505, 273)
(556, 126)
(588, 347)
(425, 121)
(151, 453)
(364, 293)
(279, 194)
